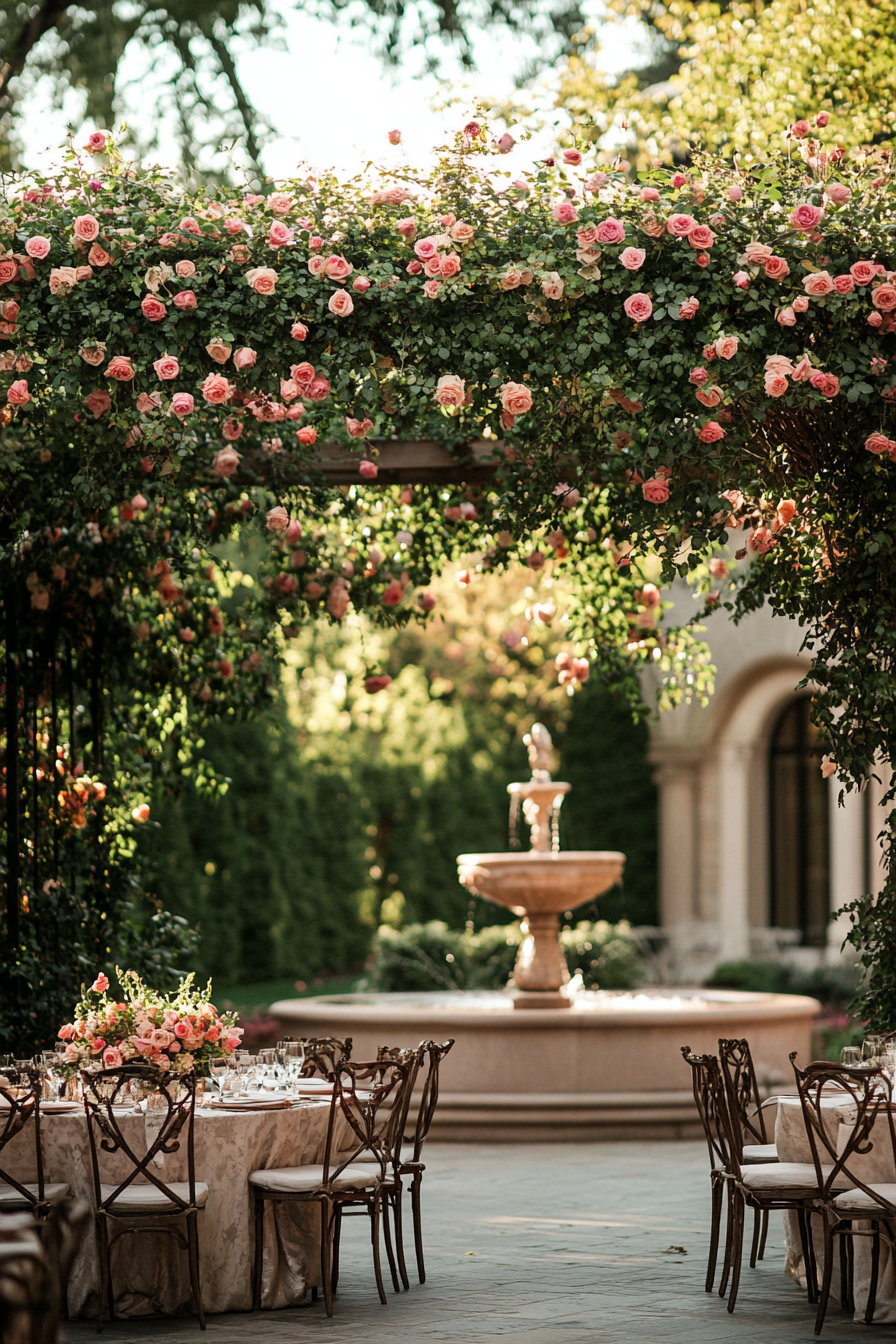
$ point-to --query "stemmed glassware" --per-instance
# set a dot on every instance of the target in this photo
(219, 1070)
(851, 1056)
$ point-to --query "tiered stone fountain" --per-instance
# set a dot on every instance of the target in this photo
(593, 1064)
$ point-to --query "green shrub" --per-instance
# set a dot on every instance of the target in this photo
(833, 985)
(432, 956)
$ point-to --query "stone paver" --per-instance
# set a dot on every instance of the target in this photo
(541, 1244)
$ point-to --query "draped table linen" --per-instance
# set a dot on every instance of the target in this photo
(874, 1168)
(150, 1272)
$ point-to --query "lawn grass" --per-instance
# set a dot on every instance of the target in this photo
(249, 1000)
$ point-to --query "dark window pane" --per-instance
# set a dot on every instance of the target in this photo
(799, 827)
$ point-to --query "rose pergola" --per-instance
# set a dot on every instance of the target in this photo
(575, 369)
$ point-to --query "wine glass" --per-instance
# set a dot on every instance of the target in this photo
(871, 1049)
(267, 1067)
(295, 1059)
(851, 1056)
(218, 1070)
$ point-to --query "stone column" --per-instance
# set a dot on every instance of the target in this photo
(677, 783)
(848, 864)
(735, 761)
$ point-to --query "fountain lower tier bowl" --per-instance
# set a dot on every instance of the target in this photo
(608, 1067)
(535, 882)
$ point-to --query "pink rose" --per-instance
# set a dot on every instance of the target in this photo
(316, 265)
(337, 268)
(711, 432)
(462, 232)
(780, 365)
(884, 298)
(638, 307)
(218, 350)
(803, 370)
(655, 490)
(799, 130)
(863, 272)
(360, 284)
(775, 385)
(185, 300)
(152, 308)
(280, 203)
(564, 212)
(649, 194)
(689, 308)
(735, 193)
(680, 225)
(572, 156)
(709, 396)
(185, 269)
(632, 258)
(806, 218)
(786, 317)
(96, 143)
(760, 540)
(66, 1033)
(431, 288)
(393, 594)
(818, 284)
(702, 259)
(182, 1029)
(407, 227)
(279, 234)
(741, 279)
(86, 228)
(652, 226)
(100, 984)
(18, 394)
(216, 389)
(698, 376)
(166, 368)
(414, 267)
(358, 429)
(299, 331)
(825, 383)
(552, 286)
(516, 398)
(837, 193)
(844, 284)
(450, 390)
(147, 402)
(340, 304)
(244, 358)
(586, 237)
(822, 119)
(800, 303)
(232, 428)
(262, 279)
(120, 368)
(595, 181)
(425, 248)
(317, 390)
(610, 231)
(277, 519)
(190, 225)
(112, 1057)
(875, 443)
(37, 247)
(874, 319)
(374, 684)
(776, 268)
(182, 404)
(225, 462)
(679, 180)
(700, 237)
(307, 436)
(370, 471)
(726, 346)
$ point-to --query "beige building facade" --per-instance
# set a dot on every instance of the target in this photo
(757, 850)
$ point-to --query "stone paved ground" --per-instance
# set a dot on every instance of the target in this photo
(541, 1244)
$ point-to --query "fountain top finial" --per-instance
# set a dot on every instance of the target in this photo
(540, 751)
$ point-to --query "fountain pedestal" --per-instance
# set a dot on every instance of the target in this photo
(541, 884)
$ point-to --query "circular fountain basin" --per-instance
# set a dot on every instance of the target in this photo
(533, 881)
(609, 1067)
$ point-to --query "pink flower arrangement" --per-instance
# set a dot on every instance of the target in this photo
(181, 1032)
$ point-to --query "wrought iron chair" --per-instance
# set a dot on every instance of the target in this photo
(839, 1159)
(746, 1108)
(24, 1281)
(365, 1098)
(20, 1106)
(324, 1054)
(708, 1088)
(143, 1202)
(413, 1166)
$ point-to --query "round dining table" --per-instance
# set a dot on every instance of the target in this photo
(876, 1167)
(150, 1272)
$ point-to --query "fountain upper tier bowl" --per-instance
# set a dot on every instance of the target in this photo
(535, 882)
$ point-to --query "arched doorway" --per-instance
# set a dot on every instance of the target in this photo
(799, 827)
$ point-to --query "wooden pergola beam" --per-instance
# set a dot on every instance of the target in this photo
(399, 462)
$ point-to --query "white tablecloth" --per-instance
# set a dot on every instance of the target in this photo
(874, 1168)
(150, 1271)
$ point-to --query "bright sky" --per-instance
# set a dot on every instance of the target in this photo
(332, 101)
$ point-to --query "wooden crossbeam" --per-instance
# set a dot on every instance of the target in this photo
(399, 462)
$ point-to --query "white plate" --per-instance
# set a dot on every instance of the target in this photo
(58, 1107)
(249, 1104)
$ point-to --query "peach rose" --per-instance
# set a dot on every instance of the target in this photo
(649, 194)
(818, 284)
(711, 432)
(37, 247)
(262, 279)
(837, 193)
(884, 298)
(153, 309)
(800, 303)
(680, 225)
(709, 396)
(277, 519)
(516, 398)
(341, 304)
(182, 404)
(216, 389)
(564, 212)
(86, 228)
(610, 231)
(299, 331)
(776, 268)
(874, 319)
(786, 317)
(775, 385)
(863, 272)
(779, 365)
(319, 388)
(689, 308)
(758, 254)
(449, 266)
(726, 346)
(147, 402)
(361, 284)
(806, 218)
(698, 377)
(337, 268)
(358, 429)
(120, 368)
(62, 278)
(655, 490)
(289, 390)
(425, 248)
(760, 540)
(652, 226)
(98, 256)
(844, 284)
(185, 300)
(232, 428)
(638, 307)
(632, 258)
(552, 286)
(700, 237)
(463, 233)
(244, 358)
(875, 443)
(98, 402)
(18, 394)
(825, 383)
(185, 269)
(306, 436)
(225, 461)
(166, 368)
(407, 228)
(218, 350)
(93, 354)
(450, 390)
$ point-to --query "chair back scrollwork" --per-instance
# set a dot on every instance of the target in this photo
(744, 1101)
(723, 1139)
(21, 1093)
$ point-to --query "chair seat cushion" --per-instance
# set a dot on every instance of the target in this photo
(760, 1152)
(149, 1199)
(773, 1176)
(11, 1199)
(298, 1180)
(857, 1199)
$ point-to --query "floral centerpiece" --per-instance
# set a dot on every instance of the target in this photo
(182, 1031)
